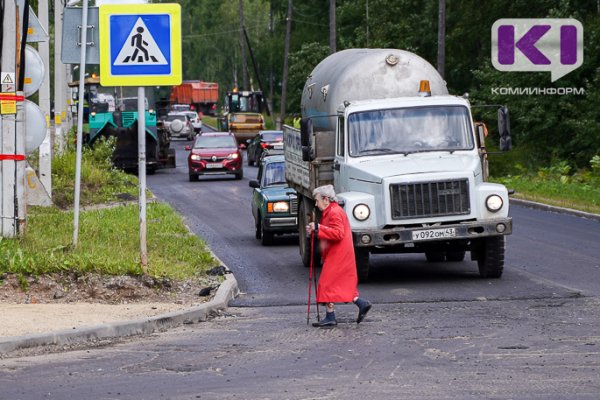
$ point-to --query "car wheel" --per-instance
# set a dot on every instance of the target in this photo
(266, 236)
(257, 228)
(239, 175)
(193, 178)
(248, 159)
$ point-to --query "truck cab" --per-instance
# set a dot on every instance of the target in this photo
(409, 168)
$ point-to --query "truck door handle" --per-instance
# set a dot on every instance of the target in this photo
(336, 166)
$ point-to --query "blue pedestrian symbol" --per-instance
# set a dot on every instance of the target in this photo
(140, 44)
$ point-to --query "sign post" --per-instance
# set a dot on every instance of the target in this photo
(140, 46)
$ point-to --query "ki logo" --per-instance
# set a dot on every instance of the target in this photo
(536, 45)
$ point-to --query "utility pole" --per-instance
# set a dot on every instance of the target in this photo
(441, 56)
(286, 51)
(59, 78)
(332, 36)
(12, 143)
(245, 79)
(45, 162)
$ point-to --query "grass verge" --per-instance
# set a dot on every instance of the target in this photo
(108, 244)
(108, 236)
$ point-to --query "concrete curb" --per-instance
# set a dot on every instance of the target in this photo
(560, 210)
(227, 291)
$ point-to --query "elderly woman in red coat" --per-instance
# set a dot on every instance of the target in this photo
(338, 280)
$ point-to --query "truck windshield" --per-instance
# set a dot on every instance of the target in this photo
(409, 130)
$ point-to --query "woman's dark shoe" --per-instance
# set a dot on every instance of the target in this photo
(363, 308)
(328, 321)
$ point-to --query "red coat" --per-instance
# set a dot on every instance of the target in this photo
(338, 280)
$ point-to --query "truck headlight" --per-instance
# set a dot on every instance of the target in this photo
(278, 206)
(361, 212)
(493, 202)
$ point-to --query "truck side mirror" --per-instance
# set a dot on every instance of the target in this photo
(306, 131)
(504, 129)
(307, 153)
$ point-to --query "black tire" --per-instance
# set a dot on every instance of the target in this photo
(257, 228)
(249, 161)
(490, 257)
(304, 239)
(266, 236)
(435, 256)
(455, 256)
(362, 264)
(239, 175)
(193, 178)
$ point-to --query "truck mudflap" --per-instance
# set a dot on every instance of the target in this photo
(415, 234)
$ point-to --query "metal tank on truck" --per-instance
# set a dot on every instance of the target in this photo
(407, 161)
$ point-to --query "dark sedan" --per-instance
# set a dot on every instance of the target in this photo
(265, 140)
(274, 203)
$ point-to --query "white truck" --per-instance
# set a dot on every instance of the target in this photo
(408, 163)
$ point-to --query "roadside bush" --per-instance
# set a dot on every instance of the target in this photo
(100, 181)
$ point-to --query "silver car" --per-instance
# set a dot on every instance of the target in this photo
(179, 125)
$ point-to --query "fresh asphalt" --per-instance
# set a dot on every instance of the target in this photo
(227, 291)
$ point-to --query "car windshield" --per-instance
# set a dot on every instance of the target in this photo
(214, 142)
(272, 136)
(192, 115)
(172, 118)
(409, 130)
(274, 174)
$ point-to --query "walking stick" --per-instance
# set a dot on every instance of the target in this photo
(310, 278)
(312, 257)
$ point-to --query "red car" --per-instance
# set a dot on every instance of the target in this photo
(215, 153)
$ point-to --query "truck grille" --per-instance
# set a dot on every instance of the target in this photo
(430, 199)
(294, 205)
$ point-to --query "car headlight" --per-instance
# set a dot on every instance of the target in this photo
(195, 157)
(493, 202)
(278, 206)
(361, 212)
(233, 156)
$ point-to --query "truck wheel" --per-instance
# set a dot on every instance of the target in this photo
(266, 236)
(362, 264)
(304, 240)
(490, 257)
(435, 256)
(455, 255)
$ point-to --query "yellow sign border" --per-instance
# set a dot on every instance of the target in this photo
(108, 10)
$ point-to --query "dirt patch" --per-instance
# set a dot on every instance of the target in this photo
(102, 289)
(50, 303)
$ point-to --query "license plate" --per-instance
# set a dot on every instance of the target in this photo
(213, 165)
(428, 234)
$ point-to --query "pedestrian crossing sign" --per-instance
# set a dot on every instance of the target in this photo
(140, 45)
